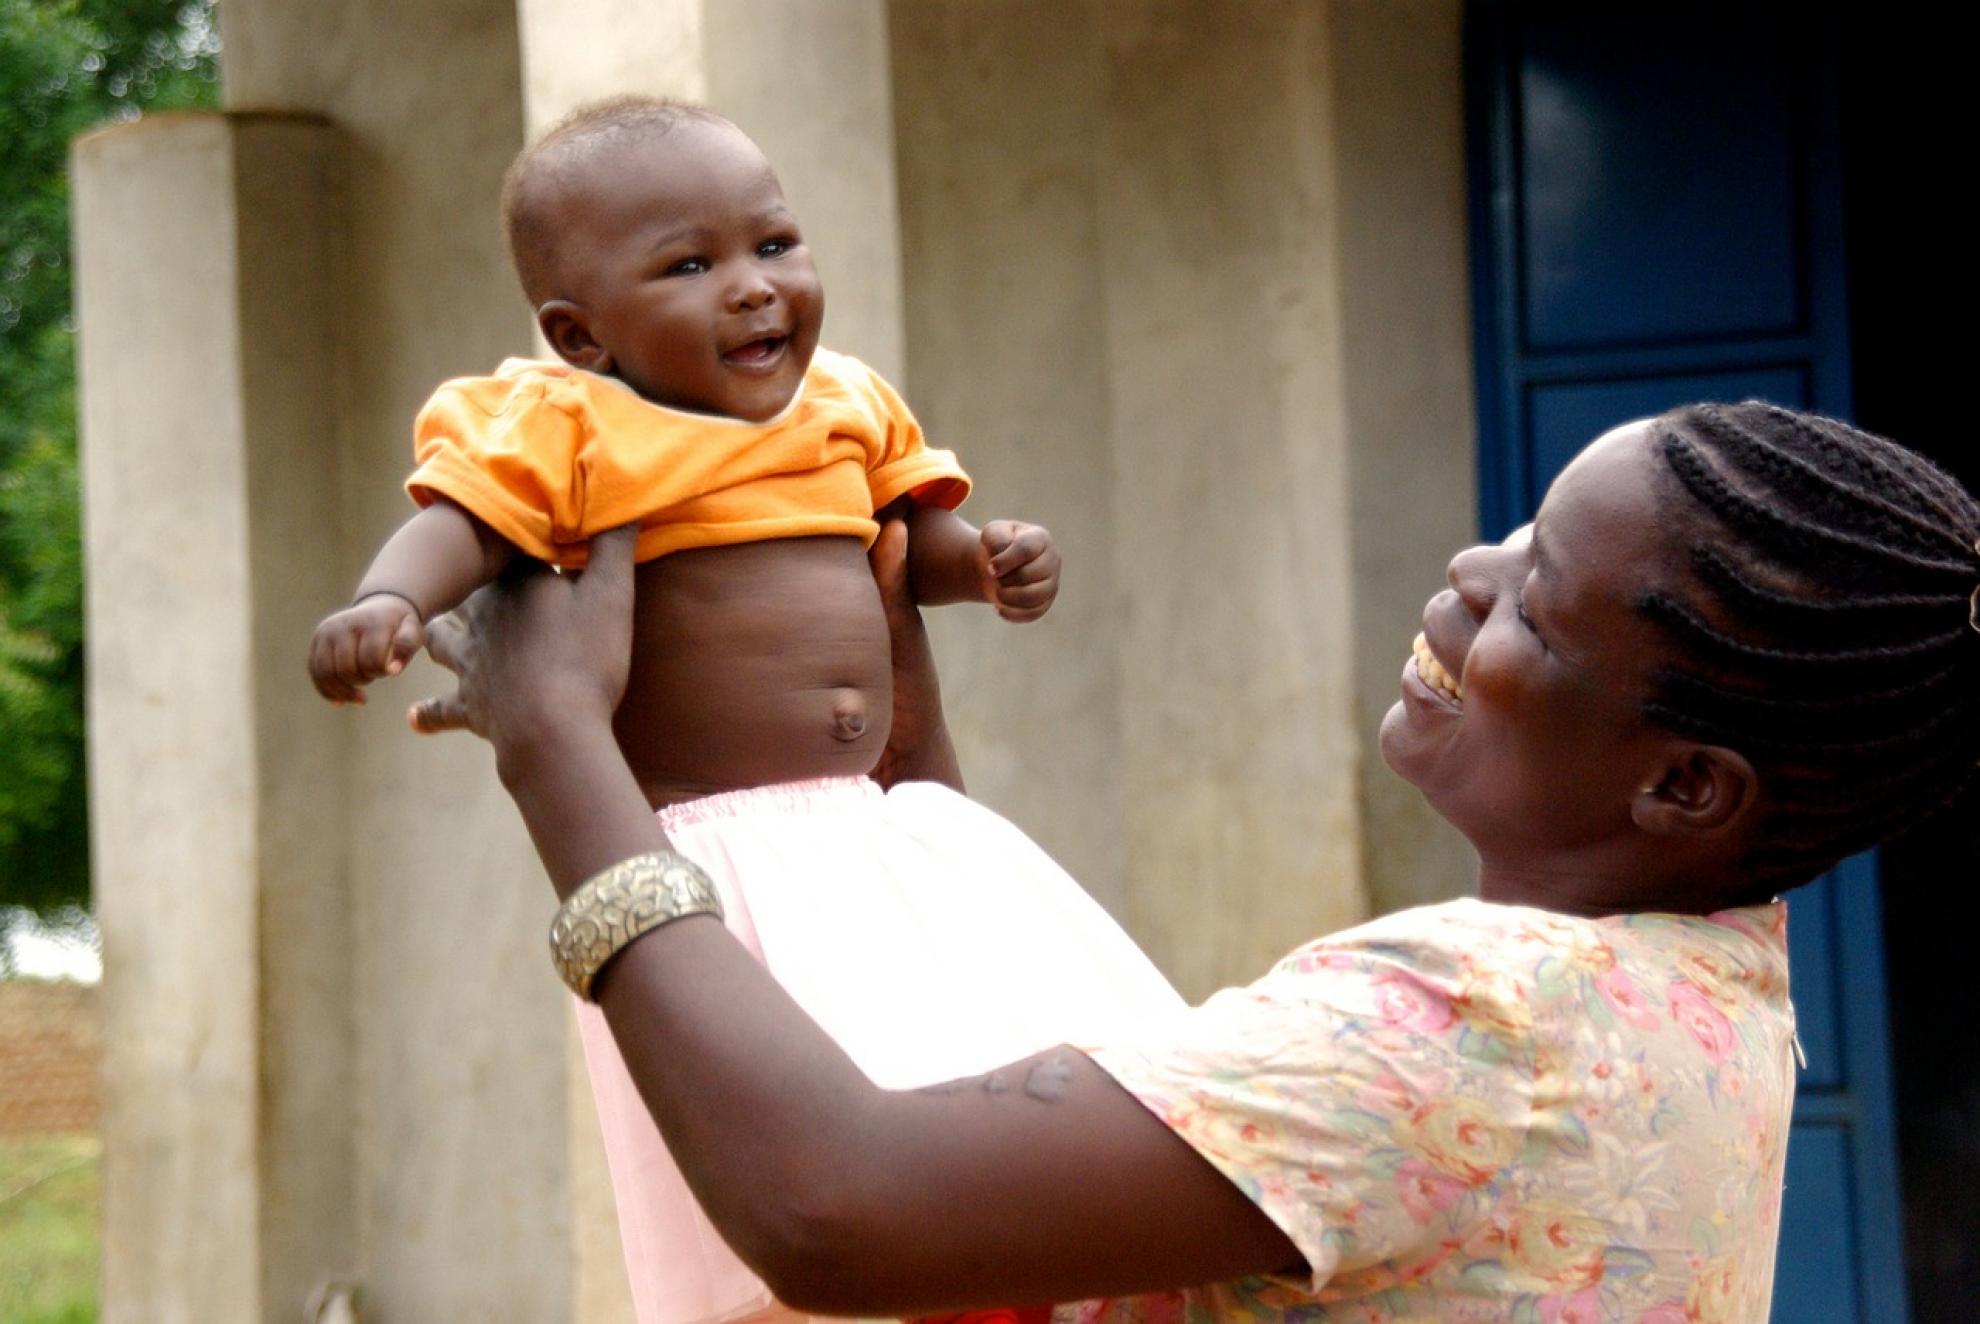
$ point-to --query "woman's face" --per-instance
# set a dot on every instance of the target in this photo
(1539, 760)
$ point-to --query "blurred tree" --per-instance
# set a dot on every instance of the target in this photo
(65, 67)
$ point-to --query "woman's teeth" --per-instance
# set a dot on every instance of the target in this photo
(1431, 672)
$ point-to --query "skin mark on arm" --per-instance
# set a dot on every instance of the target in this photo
(1047, 1081)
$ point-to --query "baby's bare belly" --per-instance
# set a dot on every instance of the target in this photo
(759, 663)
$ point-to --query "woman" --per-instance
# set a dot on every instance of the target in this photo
(1735, 645)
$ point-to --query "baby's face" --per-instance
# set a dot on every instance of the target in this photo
(691, 273)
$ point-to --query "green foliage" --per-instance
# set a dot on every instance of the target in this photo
(65, 67)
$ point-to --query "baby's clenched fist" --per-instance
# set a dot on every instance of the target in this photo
(374, 636)
(1020, 568)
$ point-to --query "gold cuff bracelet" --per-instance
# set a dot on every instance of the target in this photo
(612, 908)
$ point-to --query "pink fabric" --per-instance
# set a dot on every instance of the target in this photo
(928, 936)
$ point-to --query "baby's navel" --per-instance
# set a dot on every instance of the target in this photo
(848, 715)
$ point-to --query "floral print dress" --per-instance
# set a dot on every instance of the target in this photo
(1477, 1112)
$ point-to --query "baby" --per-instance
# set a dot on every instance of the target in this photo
(928, 936)
(665, 269)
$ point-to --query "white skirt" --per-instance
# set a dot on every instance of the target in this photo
(925, 934)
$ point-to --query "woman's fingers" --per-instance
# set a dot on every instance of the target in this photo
(444, 638)
(889, 560)
(608, 570)
(443, 713)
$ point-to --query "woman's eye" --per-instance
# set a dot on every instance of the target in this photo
(687, 266)
(1519, 609)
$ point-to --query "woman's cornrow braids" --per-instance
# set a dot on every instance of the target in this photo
(1827, 633)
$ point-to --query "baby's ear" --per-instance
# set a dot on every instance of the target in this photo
(1704, 790)
(568, 329)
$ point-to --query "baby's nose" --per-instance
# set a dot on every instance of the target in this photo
(751, 294)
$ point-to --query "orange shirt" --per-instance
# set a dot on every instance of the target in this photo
(548, 455)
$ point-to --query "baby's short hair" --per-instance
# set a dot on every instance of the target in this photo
(531, 184)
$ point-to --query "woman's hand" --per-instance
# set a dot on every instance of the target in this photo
(542, 661)
(918, 744)
(541, 657)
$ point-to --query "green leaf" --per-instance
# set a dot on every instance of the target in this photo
(1486, 1278)
(1384, 1163)
(1705, 1236)
(1570, 1134)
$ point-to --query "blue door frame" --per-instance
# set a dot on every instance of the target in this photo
(1656, 218)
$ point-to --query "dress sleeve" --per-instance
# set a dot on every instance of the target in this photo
(1349, 1097)
(511, 454)
(904, 464)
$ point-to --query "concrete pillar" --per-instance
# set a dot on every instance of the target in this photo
(1220, 254)
(206, 270)
(1152, 297)
(1398, 115)
(462, 1200)
(999, 111)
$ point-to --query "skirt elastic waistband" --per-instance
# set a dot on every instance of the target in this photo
(817, 793)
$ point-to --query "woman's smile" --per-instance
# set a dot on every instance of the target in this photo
(1433, 675)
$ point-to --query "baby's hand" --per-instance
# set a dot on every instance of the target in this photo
(372, 637)
(1020, 569)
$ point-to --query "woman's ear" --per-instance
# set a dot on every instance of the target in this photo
(1703, 790)
(568, 330)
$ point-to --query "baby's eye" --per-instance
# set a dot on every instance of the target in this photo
(774, 247)
(687, 266)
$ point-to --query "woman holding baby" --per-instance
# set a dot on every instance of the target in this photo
(1736, 644)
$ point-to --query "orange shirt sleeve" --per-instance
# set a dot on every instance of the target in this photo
(905, 464)
(512, 453)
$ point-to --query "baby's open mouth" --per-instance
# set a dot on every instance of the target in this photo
(758, 351)
(1431, 672)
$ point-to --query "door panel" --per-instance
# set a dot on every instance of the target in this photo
(1626, 160)
(1815, 1278)
(1562, 417)
(1656, 220)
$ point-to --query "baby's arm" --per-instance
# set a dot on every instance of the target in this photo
(1012, 565)
(429, 566)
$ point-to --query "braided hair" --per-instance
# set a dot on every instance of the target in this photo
(1828, 632)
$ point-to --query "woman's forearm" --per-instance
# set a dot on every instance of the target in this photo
(751, 1095)
(583, 809)
(919, 747)
(849, 1199)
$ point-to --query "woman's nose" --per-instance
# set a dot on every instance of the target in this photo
(1473, 576)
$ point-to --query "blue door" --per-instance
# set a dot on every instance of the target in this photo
(1656, 219)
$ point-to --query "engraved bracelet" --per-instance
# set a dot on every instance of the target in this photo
(612, 908)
